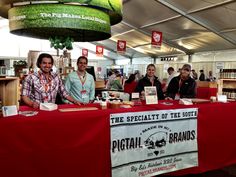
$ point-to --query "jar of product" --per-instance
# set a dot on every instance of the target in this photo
(103, 105)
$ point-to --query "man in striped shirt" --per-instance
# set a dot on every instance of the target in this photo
(43, 86)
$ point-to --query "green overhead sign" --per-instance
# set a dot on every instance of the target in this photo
(46, 20)
(80, 20)
(112, 7)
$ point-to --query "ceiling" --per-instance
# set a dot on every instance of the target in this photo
(187, 26)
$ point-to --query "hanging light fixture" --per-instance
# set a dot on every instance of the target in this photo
(64, 20)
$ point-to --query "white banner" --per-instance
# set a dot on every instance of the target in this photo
(154, 142)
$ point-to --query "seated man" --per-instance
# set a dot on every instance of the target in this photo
(182, 86)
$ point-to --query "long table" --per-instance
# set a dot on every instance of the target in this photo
(72, 144)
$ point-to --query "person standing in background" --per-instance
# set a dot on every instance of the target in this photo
(130, 84)
(42, 86)
(150, 80)
(210, 77)
(172, 74)
(202, 75)
(80, 84)
(111, 77)
(116, 83)
(194, 74)
(182, 86)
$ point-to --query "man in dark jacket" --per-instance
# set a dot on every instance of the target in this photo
(182, 86)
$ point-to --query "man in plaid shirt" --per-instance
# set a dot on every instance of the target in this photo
(43, 86)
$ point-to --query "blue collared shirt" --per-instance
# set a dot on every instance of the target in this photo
(83, 92)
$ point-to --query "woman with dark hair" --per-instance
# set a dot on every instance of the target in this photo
(130, 84)
(80, 84)
(43, 86)
(150, 80)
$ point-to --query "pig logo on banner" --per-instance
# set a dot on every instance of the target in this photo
(156, 140)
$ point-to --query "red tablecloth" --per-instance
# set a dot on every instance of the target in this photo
(206, 92)
(72, 144)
